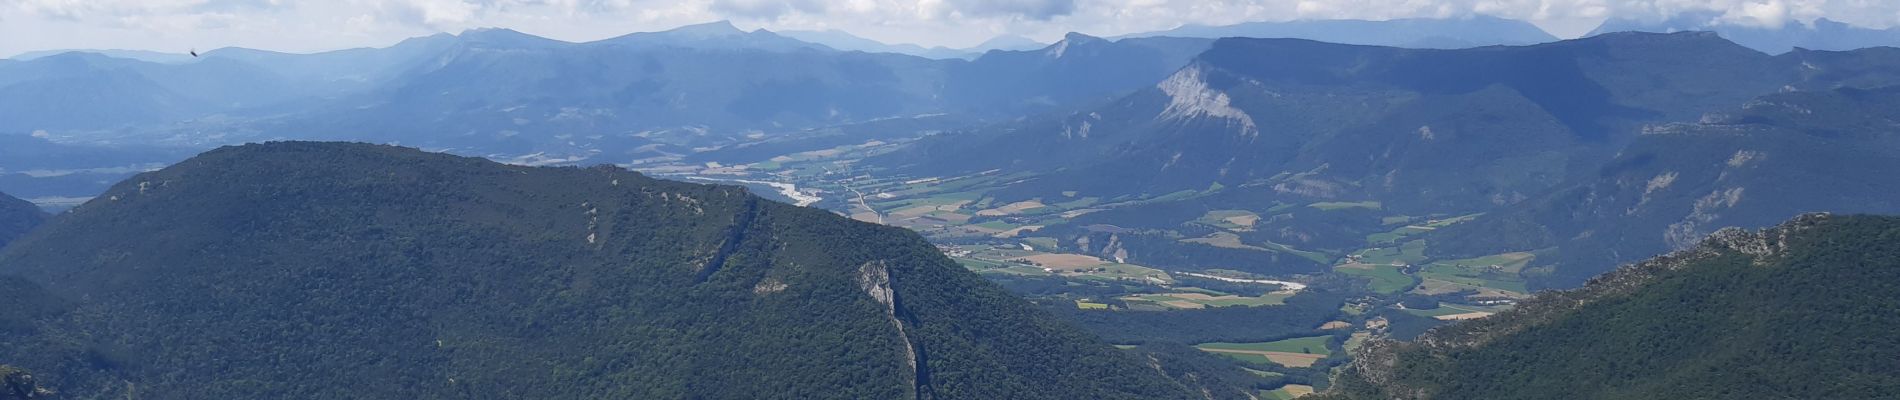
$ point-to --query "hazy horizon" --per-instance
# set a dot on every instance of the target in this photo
(177, 26)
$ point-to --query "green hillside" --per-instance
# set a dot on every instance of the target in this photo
(1802, 310)
(313, 270)
(17, 217)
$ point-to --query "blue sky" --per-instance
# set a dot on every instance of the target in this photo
(315, 25)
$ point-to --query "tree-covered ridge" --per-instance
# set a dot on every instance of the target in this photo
(1802, 310)
(1776, 157)
(17, 217)
(324, 270)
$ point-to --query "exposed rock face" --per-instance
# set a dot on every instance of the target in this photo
(17, 384)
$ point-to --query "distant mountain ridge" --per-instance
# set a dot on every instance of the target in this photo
(490, 91)
(1265, 124)
(359, 270)
(1449, 33)
(1820, 34)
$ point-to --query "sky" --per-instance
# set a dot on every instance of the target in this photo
(315, 25)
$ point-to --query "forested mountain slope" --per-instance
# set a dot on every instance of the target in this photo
(17, 217)
(1774, 158)
(323, 270)
(1801, 310)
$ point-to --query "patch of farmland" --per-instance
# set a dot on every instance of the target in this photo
(1296, 352)
(1012, 208)
(1196, 300)
(1346, 205)
(1288, 392)
(1385, 278)
(1224, 240)
(1064, 261)
(1303, 345)
(1412, 252)
(1317, 257)
(1239, 220)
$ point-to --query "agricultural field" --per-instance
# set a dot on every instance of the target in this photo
(1296, 352)
(1385, 278)
(1453, 312)
(1410, 253)
(1224, 240)
(1023, 259)
(1394, 236)
(1288, 392)
(1500, 272)
(1195, 300)
(1344, 205)
(1310, 255)
(1235, 220)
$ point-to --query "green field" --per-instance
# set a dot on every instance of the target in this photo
(1396, 234)
(1288, 392)
(1342, 205)
(1219, 218)
(998, 225)
(1304, 345)
(1318, 257)
(1498, 271)
(1268, 374)
(1453, 220)
(1162, 300)
(1385, 279)
(1090, 306)
(1441, 310)
(1412, 252)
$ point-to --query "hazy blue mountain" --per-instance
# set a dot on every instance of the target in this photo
(714, 36)
(1779, 156)
(1271, 125)
(345, 71)
(85, 91)
(1426, 128)
(141, 55)
(64, 174)
(507, 94)
(1430, 33)
(1007, 43)
(17, 217)
(845, 41)
(1821, 34)
(355, 270)
(1800, 310)
(1076, 70)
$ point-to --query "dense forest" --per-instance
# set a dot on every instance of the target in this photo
(312, 270)
(17, 217)
(1802, 310)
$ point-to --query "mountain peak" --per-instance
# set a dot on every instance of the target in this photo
(715, 28)
(503, 37)
(1070, 41)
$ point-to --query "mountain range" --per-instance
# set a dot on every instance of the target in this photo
(496, 90)
(1820, 34)
(845, 41)
(1270, 122)
(1424, 33)
(358, 270)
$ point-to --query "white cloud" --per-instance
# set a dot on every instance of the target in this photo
(310, 25)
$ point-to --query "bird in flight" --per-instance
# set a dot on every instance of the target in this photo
(194, 53)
